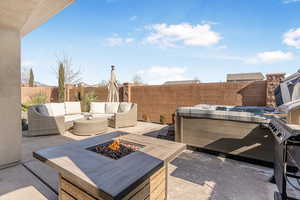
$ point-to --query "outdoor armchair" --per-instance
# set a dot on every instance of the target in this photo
(119, 114)
(124, 119)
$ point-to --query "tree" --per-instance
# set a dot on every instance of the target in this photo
(72, 74)
(61, 83)
(197, 79)
(31, 78)
(25, 74)
(103, 83)
(137, 79)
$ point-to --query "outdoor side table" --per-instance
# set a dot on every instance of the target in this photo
(90, 126)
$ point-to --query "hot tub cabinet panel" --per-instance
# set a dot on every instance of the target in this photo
(248, 139)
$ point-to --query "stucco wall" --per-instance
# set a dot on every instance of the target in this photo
(10, 117)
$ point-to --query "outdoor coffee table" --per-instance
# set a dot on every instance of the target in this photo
(85, 174)
(90, 126)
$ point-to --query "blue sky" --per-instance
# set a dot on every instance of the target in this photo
(162, 40)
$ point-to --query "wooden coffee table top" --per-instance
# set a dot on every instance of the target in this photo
(91, 121)
(105, 177)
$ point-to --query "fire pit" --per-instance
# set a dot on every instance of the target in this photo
(116, 149)
(112, 167)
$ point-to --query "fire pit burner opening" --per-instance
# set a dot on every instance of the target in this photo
(116, 149)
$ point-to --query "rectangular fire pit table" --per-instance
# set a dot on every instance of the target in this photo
(87, 175)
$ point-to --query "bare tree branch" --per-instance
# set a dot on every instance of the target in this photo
(137, 79)
(72, 73)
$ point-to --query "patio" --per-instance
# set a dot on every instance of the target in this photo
(193, 175)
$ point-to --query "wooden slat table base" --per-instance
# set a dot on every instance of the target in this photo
(154, 188)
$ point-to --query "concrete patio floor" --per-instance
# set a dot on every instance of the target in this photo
(193, 175)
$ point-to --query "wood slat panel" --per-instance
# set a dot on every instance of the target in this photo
(65, 196)
(149, 185)
(75, 191)
(151, 188)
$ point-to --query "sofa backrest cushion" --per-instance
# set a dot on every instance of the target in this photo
(97, 107)
(111, 107)
(45, 109)
(72, 107)
(124, 107)
(58, 109)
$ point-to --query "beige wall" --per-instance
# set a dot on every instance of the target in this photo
(10, 107)
(17, 17)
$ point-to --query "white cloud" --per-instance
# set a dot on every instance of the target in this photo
(133, 18)
(292, 38)
(209, 22)
(161, 74)
(270, 57)
(274, 56)
(222, 47)
(171, 35)
(117, 41)
(290, 1)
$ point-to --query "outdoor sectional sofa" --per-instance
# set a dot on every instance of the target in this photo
(237, 131)
(56, 118)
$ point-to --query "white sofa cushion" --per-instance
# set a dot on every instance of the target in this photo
(72, 107)
(99, 115)
(69, 118)
(124, 107)
(45, 109)
(58, 109)
(97, 107)
(111, 107)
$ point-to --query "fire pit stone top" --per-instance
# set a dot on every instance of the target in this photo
(102, 175)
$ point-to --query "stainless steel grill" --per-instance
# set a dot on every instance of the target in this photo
(287, 155)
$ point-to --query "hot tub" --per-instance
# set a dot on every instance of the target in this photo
(236, 131)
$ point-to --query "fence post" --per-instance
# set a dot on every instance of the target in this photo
(127, 92)
(273, 81)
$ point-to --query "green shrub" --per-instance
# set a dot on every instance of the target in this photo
(162, 119)
(24, 108)
(38, 98)
(146, 118)
(87, 99)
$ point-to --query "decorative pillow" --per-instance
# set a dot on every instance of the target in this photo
(124, 107)
(111, 107)
(45, 109)
(58, 109)
(72, 107)
(97, 107)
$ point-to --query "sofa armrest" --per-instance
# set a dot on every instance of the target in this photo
(41, 123)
